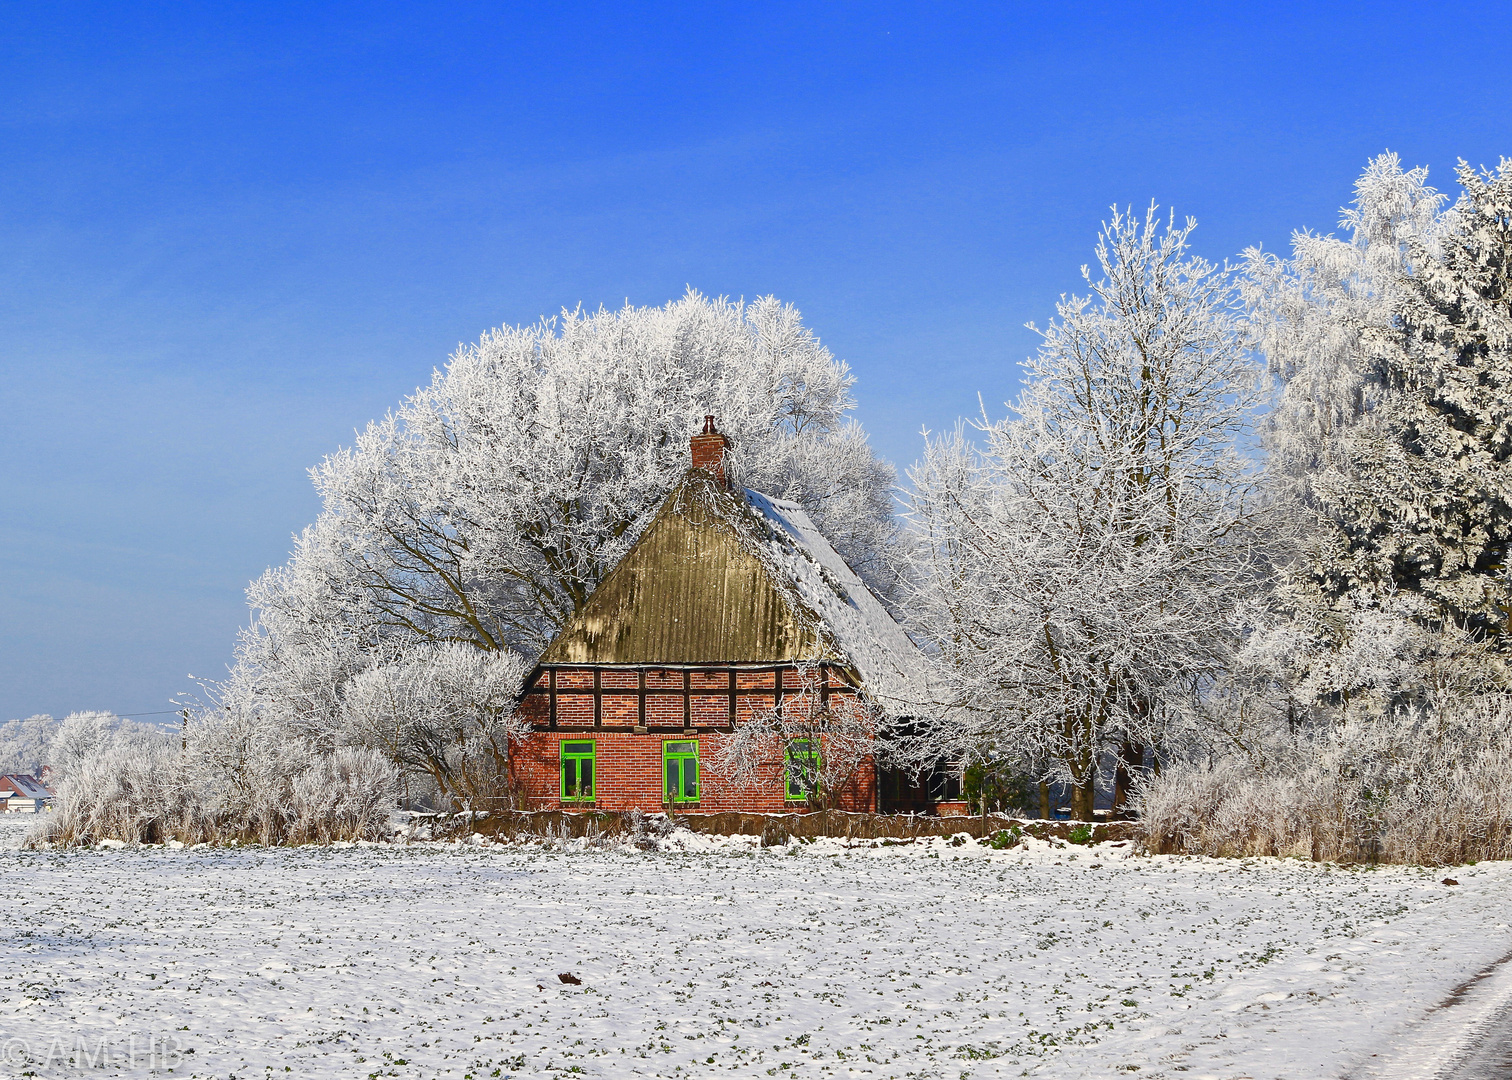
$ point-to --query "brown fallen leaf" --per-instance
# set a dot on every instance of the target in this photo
(1450, 881)
(569, 977)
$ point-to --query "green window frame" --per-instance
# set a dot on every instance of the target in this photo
(680, 771)
(578, 771)
(802, 761)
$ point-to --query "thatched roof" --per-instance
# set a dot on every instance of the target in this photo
(723, 577)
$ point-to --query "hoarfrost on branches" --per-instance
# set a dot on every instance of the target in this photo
(1388, 446)
(24, 744)
(814, 752)
(492, 502)
(1081, 568)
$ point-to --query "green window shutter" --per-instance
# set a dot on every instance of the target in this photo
(578, 772)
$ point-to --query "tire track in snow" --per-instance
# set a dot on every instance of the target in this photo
(1466, 1036)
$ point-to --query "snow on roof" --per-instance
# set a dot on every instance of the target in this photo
(892, 668)
(26, 787)
(779, 594)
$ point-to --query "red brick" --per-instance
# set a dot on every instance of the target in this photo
(629, 775)
(630, 764)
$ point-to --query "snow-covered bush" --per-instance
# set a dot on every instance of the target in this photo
(646, 831)
(342, 796)
(116, 779)
(1410, 787)
(152, 793)
(133, 792)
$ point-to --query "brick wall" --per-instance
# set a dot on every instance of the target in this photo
(629, 762)
(629, 775)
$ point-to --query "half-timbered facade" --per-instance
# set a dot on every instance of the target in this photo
(729, 604)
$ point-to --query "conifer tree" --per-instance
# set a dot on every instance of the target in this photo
(1388, 446)
(1446, 524)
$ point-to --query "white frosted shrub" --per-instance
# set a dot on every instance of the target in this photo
(151, 792)
(133, 793)
(343, 795)
(1422, 788)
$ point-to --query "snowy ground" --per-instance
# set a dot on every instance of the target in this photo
(928, 960)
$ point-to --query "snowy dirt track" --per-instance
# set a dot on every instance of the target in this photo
(815, 961)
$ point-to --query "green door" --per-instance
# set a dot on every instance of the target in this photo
(680, 768)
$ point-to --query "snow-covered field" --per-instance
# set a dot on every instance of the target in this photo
(927, 960)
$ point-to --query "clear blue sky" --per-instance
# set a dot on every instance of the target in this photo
(230, 236)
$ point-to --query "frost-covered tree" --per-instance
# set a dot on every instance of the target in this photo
(1324, 317)
(24, 744)
(481, 513)
(1081, 567)
(85, 735)
(488, 506)
(1388, 447)
(1446, 462)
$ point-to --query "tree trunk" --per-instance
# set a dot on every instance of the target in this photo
(1082, 797)
(1130, 758)
(1044, 800)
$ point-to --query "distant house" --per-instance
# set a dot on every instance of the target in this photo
(24, 795)
(729, 603)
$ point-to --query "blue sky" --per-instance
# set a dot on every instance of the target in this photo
(229, 236)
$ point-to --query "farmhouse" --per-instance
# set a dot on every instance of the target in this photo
(21, 794)
(729, 607)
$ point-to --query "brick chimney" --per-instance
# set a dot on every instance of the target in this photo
(708, 451)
